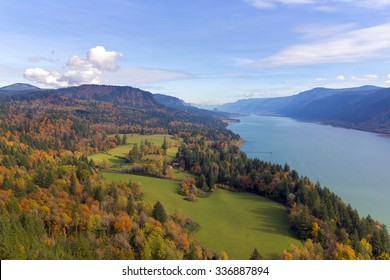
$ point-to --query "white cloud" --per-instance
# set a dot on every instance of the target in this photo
(41, 76)
(388, 77)
(78, 70)
(319, 31)
(367, 3)
(371, 76)
(104, 60)
(321, 79)
(320, 5)
(100, 66)
(340, 78)
(351, 46)
(265, 4)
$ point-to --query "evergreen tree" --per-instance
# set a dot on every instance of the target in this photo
(159, 212)
(256, 255)
(72, 187)
(118, 139)
(164, 168)
(99, 194)
(124, 139)
(164, 145)
(134, 153)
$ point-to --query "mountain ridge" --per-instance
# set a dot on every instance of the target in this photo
(18, 88)
(365, 108)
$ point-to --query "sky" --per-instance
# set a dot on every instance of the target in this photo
(202, 51)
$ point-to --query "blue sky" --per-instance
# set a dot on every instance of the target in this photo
(203, 51)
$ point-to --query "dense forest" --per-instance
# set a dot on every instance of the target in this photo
(54, 203)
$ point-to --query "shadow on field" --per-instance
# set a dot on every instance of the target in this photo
(272, 217)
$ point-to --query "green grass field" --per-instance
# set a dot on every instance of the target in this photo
(156, 139)
(234, 222)
(114, 156)
(112, 160)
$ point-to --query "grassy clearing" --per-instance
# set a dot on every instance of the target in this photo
(234, 222)
(156, 139)
(116, 155)
(112, 160)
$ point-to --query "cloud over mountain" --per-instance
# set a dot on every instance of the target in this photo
(78, 70)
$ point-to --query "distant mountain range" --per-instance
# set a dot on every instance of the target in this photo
(366, 108)
(170, 101)
(17, 88)
(124, 96)
(121, 95)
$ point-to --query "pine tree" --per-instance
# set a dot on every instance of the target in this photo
(256, 255)
(124, 139)
(72, 187)
(99, 194)
(159, 212)
(118, 139)
(164, 146)
(164, 168)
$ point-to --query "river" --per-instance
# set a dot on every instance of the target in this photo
(353, 164)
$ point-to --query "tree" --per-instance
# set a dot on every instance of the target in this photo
(99, 194)
(301, 221)
(73, 185)
(124, 139)
(105, 163)
(122, 222)
(164, 145)
(134, 153)
(164, 168)
(201, 183)
(344, 252)
(309, 251)
(159, 212)
(130, 206)
(256, 255)
(118, 139)
(376, 244)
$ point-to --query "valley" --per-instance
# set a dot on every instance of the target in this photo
(254, 222)
(66, 157)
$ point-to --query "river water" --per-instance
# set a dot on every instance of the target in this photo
(353, 164)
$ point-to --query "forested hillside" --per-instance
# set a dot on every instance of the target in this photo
(54, 203)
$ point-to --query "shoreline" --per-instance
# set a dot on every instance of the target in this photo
(348, 198)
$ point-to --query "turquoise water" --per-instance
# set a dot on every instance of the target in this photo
(353, 164)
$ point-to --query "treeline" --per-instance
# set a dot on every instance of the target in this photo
(333, 229)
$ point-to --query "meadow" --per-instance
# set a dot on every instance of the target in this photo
(117, 155)
(232, 221)
(156, 139)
